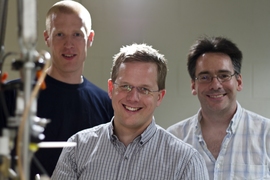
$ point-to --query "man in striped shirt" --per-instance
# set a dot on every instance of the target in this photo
(234, 142)
(132, 146)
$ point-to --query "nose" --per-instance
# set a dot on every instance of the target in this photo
(217, 79)
(133, 94)
(215, 83)
(68, 42)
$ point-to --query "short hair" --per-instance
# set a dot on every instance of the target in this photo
(69, 7)
(213, 45)
(141, 53)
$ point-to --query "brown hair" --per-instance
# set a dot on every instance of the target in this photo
(141, 53)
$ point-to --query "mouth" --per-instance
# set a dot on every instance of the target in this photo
(216, 96)
(133, 109)
(68, 55)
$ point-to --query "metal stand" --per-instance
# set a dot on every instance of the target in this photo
(25, 115)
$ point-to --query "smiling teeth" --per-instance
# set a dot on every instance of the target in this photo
(131, 108)
(68, 55)
(217, 96)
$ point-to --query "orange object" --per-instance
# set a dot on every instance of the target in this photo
(4, 77)
(43, 84)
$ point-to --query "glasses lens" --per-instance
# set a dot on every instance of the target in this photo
(221, 77)
(205, 78)
(224, 77)
(143, 90)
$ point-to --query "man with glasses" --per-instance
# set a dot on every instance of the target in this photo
(132, 146)
(234, 142)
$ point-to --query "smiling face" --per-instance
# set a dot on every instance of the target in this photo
(216, 97)
(68, 42)
(133, 111)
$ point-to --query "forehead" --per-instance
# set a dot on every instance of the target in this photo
(138, 72)
(66, 21)
(67, 17)
(213, 62)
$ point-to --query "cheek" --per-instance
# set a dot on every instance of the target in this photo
(82, 43)
(233, 85)
(116, 96)
(152, 101)
(55, 44)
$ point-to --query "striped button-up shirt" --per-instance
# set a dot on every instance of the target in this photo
(245, 150)
(154, 155)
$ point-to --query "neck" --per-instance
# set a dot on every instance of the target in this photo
(215, 117)
(221, 120)
(127, 134)
(69, 78)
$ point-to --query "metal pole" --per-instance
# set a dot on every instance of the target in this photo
(3, 20)
(27, 22)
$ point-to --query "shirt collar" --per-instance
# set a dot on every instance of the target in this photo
(144, 137)
(149, 132)
(236, 118)
(198, 130)
(232, 126)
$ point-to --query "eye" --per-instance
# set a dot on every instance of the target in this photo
(223, 76)
(126, 87)
(77, 34)
(204, 77)
(144, 90)
(59, 34)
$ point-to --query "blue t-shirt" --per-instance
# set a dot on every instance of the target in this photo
(70, 108)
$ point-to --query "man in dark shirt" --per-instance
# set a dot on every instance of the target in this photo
(70, 101)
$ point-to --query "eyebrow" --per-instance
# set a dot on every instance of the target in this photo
(126, 83)
(219, 71)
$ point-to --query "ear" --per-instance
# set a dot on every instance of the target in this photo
(240, 82)
(46, 38)
(110, 88)
(90, 38)
(161, 95)
(193, 90)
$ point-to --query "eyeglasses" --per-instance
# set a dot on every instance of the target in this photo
(221, 77)
(128, 88)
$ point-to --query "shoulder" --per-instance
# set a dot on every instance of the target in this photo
(183, 156)
(183, 153)
(183, 125)
(90, 133)
(94, 88)
(96, 93)
(94, 130)
(171, 141)
(256, 118)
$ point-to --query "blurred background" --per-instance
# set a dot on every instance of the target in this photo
(171, 26)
